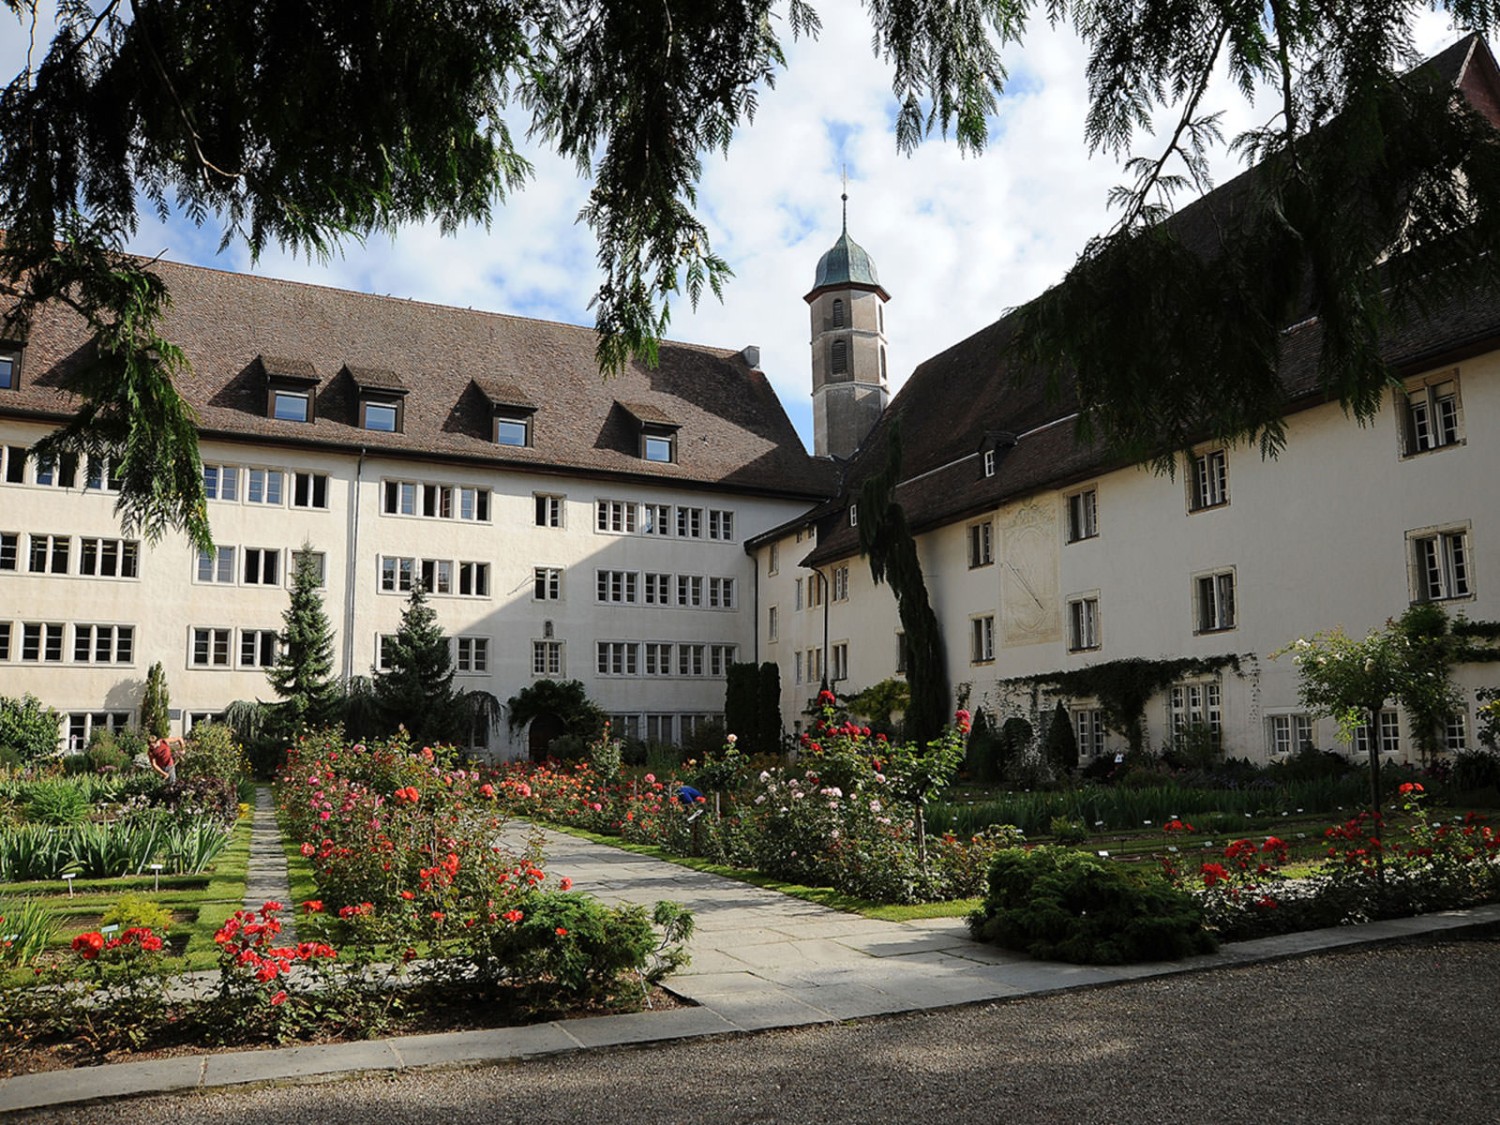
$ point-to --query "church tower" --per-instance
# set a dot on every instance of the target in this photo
(849, 387)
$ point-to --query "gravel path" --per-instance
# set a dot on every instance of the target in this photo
(1399, 1033)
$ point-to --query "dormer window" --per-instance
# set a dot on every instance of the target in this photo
(512, 428)
(382, 399)
(658, 432)
(10, 367)
(513, 414)
(290, 387)
(989, 462)
(659, 447)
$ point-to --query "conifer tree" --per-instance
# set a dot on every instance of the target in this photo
(302, 674)
(156, 715)
(416, 691)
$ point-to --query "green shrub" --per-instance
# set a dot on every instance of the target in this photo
(56, 802)
(1066, 830)
(213, 751)
(137, 910)
(1475, 769)
(106, 753)
(1064, 905)
(28, 729)
(27, 927)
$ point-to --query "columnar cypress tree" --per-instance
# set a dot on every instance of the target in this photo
(302, 674)
(417, 690)
(768, 707)
(156, 716)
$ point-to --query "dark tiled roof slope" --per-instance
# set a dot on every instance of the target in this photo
(955, 403)
(734, 433)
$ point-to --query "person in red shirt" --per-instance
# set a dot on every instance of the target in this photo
(162, 760)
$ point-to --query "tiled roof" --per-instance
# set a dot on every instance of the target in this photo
(377, 379)
(235, 329)
(956, 403)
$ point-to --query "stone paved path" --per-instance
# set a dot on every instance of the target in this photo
(266, 877)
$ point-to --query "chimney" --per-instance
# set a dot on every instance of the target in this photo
(751, 356)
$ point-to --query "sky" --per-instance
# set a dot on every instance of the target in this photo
(957, 240)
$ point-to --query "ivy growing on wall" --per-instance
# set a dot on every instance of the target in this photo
(1124, 687)
(886, 539)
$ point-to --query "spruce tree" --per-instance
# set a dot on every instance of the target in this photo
(416, 691)
(302, 674)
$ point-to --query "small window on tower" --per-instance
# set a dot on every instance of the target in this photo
(838, 314)
(839, 358)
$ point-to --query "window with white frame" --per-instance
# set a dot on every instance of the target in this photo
(656, 519)
(900, 653)
(1430, 413)
(659, 444)
(291, 406)
(41, 642)
(690, 659)
(841, 583)
(1390, 733)
(690, 523)
(720, 657)
(546, 658)
(1197, 705)
(513, 428)
(617, 658)
(797, 595)
(656, 589)
(549, 509)
(437, 576)
(10, 550)
(816, 585)
(310, 490)
(473, 504)
(49, 554)
(61, 473)
(981, 544)
(209, 648)
(471, 655)
(221, 482)
(625, 725)
(689, 590)
(721, 524)
(13, 464)
(1083, 515)
(385, 651)
(104, 644)
(10, 368)
(397, 573)
(617, 517)
(853, 515)
(721, 593)
(1208, 483)
(815, 666)
(217, 565)
(1214, 603)
(474, 579)
(546, 583)
(109, 558)
(1439, 564)
(618, 586)
(773, 558)
(83, 724)
(982, 639)
(262, 566)
(5, 630)
(264, 486)
(661, 729)
(838, 661)
(797, 667)
(1089, 731)
(1289, 734)
(1456, 732)
(102, 474)
(381, 414)
(773, 623)
(657, 656)
(989, 462)
(1083, 623)
(258, 648)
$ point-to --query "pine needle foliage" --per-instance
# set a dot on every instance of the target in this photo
(303, 673)
(416, 691)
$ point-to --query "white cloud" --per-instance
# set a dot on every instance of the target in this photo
(957, 240)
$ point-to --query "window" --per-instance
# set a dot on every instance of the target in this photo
(617, 658)
(291, 406)
(41, 641)
(690, 659)
(400, 498)
(841, 583)
(1289, 734)
(13, 463)
(838, 358)
(659, 729)
(396, 573)
(310, 490)
(1390, 733)
(4, 640)
(689, 590)
(1088, 730)
(107, 558)
(839, 661)
(659, 446)
(319, 564)
(10, 367)
(989, 462)
(221, 482)
(773, 559)
(474, 504)
(216, 565)
(102, 474)
(437, 576)
(474, 579)
(61, 473)
(720, 525)
(815, 588)
(797, 664)
(82, 726)
(385, 651)
(773, 628)
(797, 595)
(900, 653)
(1208, 484)
(265, 487)
(815, 666)
(690, 523)
(10, 550)
(853, 515)
(384, 415)
(981, 544)
(615, 516)
(546, 584)
(656, 519)
(512, 429)
(1439, 565)
(546, 658)
(658, 657)
(103, 644)
(720, 657)
(1456, 732)
(49, 554)
(210, 648)
(658, 589)
(549, 510)
(721, 593)
(1430, 415)
(257, 648)
(982, 639)
(1215, 601)
(1083, 624)
(616, 586)
(1083, 515)
(472, 655)
(262, 567)
(838, 313)
(1197, 705)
